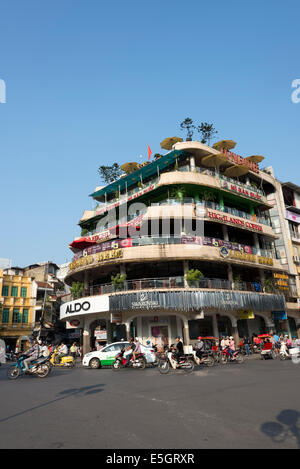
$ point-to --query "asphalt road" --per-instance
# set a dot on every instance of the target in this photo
(254, 405)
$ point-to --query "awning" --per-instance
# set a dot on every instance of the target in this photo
(146, 171)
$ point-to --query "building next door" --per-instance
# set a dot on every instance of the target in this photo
(160, 335)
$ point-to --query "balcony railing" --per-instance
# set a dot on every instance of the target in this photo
(178, 282)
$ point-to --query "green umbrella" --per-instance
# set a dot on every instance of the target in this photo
(224, 145)
(168, 143)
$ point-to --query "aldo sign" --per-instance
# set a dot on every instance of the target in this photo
(89, 305)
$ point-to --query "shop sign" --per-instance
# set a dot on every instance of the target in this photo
(116, 318)
(237, 159)
(74, 324)
(126, 199)
(265, 260)
(97, 258)
(233, 221)
(246, 314)
(281, 281)
(292, 216)
(144, 302)
(81, 306)
(107, 246)
(242, 256)
(279, 315)
(241, 190)
(100, 335)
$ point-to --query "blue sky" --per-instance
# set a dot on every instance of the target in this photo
(92, 82)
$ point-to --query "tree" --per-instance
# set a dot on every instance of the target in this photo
(189, 126)
(207, 131)
(110, 173)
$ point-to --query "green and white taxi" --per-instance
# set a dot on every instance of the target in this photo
(106, 356)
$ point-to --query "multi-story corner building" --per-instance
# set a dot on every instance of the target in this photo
(18, 295)
(191, 237)
(49, 289)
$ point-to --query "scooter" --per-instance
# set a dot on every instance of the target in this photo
(185, 363)
(39, 367)
(288, 354)
(226, 357)
(207, 359)
(67, 361)
(139, 363)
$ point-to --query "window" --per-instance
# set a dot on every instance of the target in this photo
(25, 316)
(24, 292)
(14, 291)
(5, 290)
(16, 316)
(5, 316)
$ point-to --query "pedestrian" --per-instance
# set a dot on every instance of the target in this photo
(73, 350)
(247, 346)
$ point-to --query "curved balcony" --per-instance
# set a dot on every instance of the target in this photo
(179, 282)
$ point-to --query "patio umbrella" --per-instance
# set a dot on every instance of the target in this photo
(212, 161)
(236, 171)
(255, 158)
(168, 143)
(224, 144)
(129, 168)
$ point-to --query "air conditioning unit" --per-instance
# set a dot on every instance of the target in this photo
(296, 258)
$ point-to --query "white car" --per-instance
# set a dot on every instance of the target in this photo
(106, 356)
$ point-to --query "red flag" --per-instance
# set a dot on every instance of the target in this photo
(149, 152)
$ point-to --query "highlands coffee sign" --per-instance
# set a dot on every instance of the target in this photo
(89, 305)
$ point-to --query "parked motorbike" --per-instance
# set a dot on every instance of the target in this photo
(39, 367)
(226, 357)
(67, 361)
(186, 363)
(139, 363)
(288, 354)
(207, 359)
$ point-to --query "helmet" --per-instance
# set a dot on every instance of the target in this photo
(148, 342)
(199, 338)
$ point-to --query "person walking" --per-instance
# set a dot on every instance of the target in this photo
(73, 350)
(247, 346)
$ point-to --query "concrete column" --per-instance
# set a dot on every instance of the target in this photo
(262, 276)
(256, 242)
(215, 325)
(186, 334)
(179, 326)
(86, 279)
(225, 232)
(122, 269)
(139, 331)
(221, 201)
(192, 163)
(185, 268)
(235, 335)
(86, 344)
(230, 274)
(127, 325)
(298, 327)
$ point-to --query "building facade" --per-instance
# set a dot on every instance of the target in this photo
(17, 303)
(184, 245)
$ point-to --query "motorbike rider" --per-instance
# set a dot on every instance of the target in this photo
(200, 348)
(231, 349)
(179, 348)
(132, 348)
(137, 348)
(33, 354)
(62, 351)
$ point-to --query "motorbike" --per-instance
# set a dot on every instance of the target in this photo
(288, 354)
(120, 362)
(210, 352)
(226, 357)
(185, 362)
(67, 361)
(39, 367)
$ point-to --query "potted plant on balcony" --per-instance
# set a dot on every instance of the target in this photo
(118, 281)
(269, 286)
(193, 277)
(77, 289)
(238, 283)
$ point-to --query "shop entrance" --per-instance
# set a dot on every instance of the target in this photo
(249, 327)
(160, 335)
(98, 333)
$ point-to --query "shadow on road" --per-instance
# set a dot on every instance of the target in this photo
(83, 391)
(286, 426)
